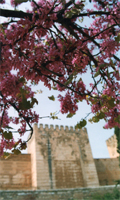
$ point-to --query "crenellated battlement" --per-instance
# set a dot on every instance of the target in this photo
(112, 146)
(111, 141)
(59, 157)
(61, 153)
(60, 128)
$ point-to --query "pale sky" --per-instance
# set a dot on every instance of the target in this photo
(97, 135)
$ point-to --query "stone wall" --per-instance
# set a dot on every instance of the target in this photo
(15, 172)
(112, 146)
(58, 158)
(61, 194)
(61, 158)
(108, 170)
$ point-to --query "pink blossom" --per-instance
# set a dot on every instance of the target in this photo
(58, 51)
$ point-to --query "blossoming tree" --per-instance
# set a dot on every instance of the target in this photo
(48, 43)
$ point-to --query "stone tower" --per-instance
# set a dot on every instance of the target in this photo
(61, 158)
(112, 146)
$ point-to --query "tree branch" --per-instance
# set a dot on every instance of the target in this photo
(21, 115)
(21, 14)
(116, 58)
(16, 14)
(91, 13)
(3, 115)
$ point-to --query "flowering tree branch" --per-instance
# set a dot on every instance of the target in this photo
(49, 44)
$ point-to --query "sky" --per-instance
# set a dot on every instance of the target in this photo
(97, 135)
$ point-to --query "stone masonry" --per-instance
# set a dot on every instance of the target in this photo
(58, 158)
(61, 158)
(15, 172)
(112, 146)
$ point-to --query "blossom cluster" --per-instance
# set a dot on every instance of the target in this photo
(52, 47)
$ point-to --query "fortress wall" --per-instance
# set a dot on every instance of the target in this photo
(37, 147)
(108, 170)
(88, 165)
(31, 149)
(59, 157)
(63, 158)
(112, 146)
(15, 172)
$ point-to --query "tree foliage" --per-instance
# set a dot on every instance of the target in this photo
(50, 44)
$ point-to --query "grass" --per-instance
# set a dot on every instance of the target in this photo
(115, 195)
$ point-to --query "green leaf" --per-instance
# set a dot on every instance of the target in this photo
(6, 155)
(102, 65)
(52, 98)
(70, 115)
(90, 120)
(7, 135)
(101, 115)
(16, 151)
(75, 11)
(69, 80)
(54, 88)
(2, 29)
(79, 6)
(34, 100)
(97, 73)
(117, 119)
(117, 39)
(81, 124)
(22, 79)
(111, 103)
(95, 119)
(68, 14)
(54, 117)
(24, 105)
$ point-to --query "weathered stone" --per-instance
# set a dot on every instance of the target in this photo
(58, 158)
